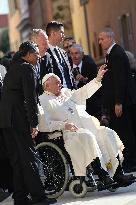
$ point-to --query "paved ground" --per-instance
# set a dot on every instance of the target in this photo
(122, 196)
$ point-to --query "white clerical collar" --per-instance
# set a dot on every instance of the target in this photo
(49, 93)
(109, 49)
(59, 98)
(52, 94)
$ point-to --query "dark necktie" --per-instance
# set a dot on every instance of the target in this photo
(76, 71)
(107, 58)
(64, 66)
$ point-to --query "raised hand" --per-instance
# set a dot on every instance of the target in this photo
(102, 70)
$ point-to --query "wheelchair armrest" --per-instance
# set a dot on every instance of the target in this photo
(55, 134)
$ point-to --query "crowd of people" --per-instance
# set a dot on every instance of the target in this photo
(94, 108)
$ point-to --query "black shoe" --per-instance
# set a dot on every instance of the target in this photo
(46, 201)
(108, 181)
(125, 180)
(25, 201)
(22, 202)
(131, 176)
(51, 201)
(3, 195)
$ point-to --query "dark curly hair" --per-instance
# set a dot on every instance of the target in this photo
(26, 47)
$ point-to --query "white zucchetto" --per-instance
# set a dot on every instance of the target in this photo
(47, 76)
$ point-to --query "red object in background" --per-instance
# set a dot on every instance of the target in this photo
(3, 20)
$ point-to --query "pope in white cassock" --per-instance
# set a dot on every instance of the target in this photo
(84, 138)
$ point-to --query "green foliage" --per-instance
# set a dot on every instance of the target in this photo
(4, 46)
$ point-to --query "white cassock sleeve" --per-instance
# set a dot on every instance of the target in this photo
(45, 123)
(80, 95)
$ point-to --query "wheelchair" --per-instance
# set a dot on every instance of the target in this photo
(56, 171)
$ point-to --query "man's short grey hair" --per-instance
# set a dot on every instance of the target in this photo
(35, 32)
(78, 46)
(108, 31)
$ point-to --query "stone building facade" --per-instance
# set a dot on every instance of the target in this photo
(120, 15)
(27, 14)
(14, 19)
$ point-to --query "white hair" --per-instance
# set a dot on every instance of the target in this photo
(109, 32)
(35, 33)
(78, 46)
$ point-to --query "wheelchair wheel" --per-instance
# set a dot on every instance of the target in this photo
(77, 189)
(53, 169)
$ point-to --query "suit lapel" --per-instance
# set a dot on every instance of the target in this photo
(55, 65)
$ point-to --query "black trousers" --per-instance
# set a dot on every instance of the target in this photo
(6, 175)
(123, 127)
(26, 178)
(5, 168)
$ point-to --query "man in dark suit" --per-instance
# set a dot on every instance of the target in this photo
(116, 97)
(44, 66)
(84, 70)
(18, 120)
(60, 63)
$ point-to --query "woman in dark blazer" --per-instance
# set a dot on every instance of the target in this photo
(18, 120)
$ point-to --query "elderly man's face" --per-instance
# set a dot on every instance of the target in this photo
(76, 55)
(105, 41)
(42, 42)
(54, 86)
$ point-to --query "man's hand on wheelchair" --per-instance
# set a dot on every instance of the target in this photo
(34, 132)
(71, 127)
